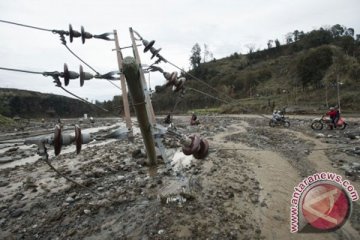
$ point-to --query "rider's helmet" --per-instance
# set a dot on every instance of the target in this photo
(331, 108)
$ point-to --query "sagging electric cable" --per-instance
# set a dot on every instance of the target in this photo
(20, 70)
(63, 41)
(203, 82)
(28, 26)
(206, 94)
(69, 179)
(83, 100)
(149, 46)
(58, 84)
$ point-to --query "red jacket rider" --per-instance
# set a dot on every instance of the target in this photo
(332, 114)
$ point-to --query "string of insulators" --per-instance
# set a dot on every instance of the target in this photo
(70, 75)
(173, 80)
(82, 34)
(58, 140)
(65, 139)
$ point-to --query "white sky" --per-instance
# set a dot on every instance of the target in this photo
(226, 26)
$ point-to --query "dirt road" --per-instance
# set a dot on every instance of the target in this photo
(242, 190)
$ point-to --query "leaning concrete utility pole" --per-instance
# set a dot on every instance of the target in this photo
(132, 73)
(123, 85)
(149, 107)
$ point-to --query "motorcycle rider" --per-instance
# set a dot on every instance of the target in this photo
(277, 115)
(333, 113)
(194, 120)
(167, 119)
(337, 116)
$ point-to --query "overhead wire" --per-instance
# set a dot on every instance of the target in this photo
(62, 38)
(58, 85)
(62, 33)
(63, 41)
(198, 79)
(80, 59)
(20, 70)
(83, 100)
(28, 26)
(206, 94)
(161, 58)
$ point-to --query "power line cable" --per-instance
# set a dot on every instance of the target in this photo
(62, 38)
(19, 70)
(198, 79)
(149, 46)
(28, 26)
(57, 81)
(63, 41)
(206, 94)
(81, 59)
(83, 100)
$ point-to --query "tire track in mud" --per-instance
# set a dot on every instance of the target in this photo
(278, 173)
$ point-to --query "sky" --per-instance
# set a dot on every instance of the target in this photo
(225, 26)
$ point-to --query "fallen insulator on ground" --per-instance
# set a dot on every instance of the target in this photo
(60, 139)
(203, 151)
(198, 147)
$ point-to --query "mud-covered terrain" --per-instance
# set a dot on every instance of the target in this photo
(242, 190)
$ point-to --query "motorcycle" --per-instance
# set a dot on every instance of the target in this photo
(279, 122)
(318, 124)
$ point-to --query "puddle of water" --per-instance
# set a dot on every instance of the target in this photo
(67, 149)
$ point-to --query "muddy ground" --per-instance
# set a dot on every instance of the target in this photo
(242, 190)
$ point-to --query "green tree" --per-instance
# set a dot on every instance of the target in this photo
(195, 58)
(337, 30)
(347, 43)
(208, 55)
(277, 43)
(350, 32)
(311, 68)
(296, 34)
(317, 38)
(289, 38)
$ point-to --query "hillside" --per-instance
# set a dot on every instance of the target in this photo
(300, 75)
(26, 104)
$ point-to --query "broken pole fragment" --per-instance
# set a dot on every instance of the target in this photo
(132, 75)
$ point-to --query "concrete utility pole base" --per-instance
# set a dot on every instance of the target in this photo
(132, 74)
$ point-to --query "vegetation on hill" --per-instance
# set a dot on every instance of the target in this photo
(26, 104)
(304, 73)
